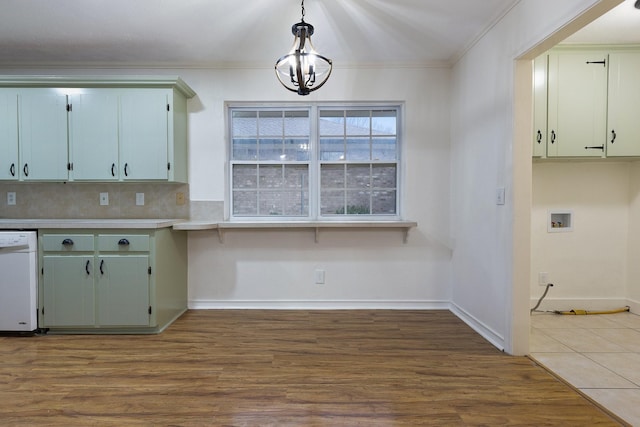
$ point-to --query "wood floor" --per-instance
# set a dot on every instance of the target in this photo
(284, 368)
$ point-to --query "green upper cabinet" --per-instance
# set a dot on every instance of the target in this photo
(9, 163)
(540, 107)
(577, 104)
(145, 142)
(585, 102)
(43, 135)
(93, 135)
(94, 128)
(623, 130)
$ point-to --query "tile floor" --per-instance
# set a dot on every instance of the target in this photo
(597, 354)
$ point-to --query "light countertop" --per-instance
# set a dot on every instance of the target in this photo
(114, 223)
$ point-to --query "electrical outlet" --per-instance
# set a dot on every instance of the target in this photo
(104, 199)
(543, 278)
(11, 198)
(500, 196)
(319, 277)
(139, 199)
(180, 199)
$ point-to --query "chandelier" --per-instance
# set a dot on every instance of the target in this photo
(303, 70)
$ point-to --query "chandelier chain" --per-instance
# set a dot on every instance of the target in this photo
(302, 6)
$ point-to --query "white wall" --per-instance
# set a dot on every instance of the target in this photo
(632, 291)
(363, 268)
(482, 148)
(588, 265)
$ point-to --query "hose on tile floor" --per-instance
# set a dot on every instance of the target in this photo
(585, 312)
(575, 312)
(540, 300)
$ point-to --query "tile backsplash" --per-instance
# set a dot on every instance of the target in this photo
(82, 200)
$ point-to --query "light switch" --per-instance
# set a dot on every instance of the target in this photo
(139, 199)
(104, 199)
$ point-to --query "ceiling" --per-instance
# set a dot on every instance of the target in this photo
(219, 33)
(230, 32)
(620, 25)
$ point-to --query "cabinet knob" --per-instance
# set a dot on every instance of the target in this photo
(613, 136)
(553, 136)
(25, 169)
(123, 242)
(12, 169)
(67, 242)
(126, 169)
(86, 267)
(113, 169)
(102, 267)
(539, 137)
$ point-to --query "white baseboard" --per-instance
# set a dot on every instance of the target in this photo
(317, 305)
(486, 332)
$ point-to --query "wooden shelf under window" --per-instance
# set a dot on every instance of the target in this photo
(222, 227)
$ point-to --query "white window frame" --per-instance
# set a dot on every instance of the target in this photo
(314, 161)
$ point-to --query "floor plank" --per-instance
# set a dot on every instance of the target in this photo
(284, 368)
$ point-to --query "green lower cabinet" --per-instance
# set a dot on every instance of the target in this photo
(69, 291)
(122, 291)
(110, 281)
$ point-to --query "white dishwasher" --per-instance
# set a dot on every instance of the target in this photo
(18, 281)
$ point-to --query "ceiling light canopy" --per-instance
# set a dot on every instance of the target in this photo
(303, 70)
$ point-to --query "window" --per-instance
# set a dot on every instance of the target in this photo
(316, 162)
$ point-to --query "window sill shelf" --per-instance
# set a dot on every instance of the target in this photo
(316, 226)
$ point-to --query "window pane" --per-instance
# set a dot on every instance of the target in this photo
(296, 176)
(384, 149)
(245, 176)
(296, 123)
(245, 203)
(331, 123)
(270, 176)
(358, 149)
(358, 122)
(332, 176)
(270, 149)
(358, 176)
(296, 203)
(383, 176)
(331, 149)
(332, 202)
(383, 122)
(270, 123)
(270, 203)
(245, 149)
(245, 123)
(296, 150)
(383, 202)
(358, 202)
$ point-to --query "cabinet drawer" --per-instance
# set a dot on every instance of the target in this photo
(67, 243)
(123, 243)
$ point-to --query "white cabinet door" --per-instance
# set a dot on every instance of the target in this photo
(540, 106)
(144, 134)
(577, 104)
(43, 135)
(624, 97)
(9, 165)
(93, 135)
